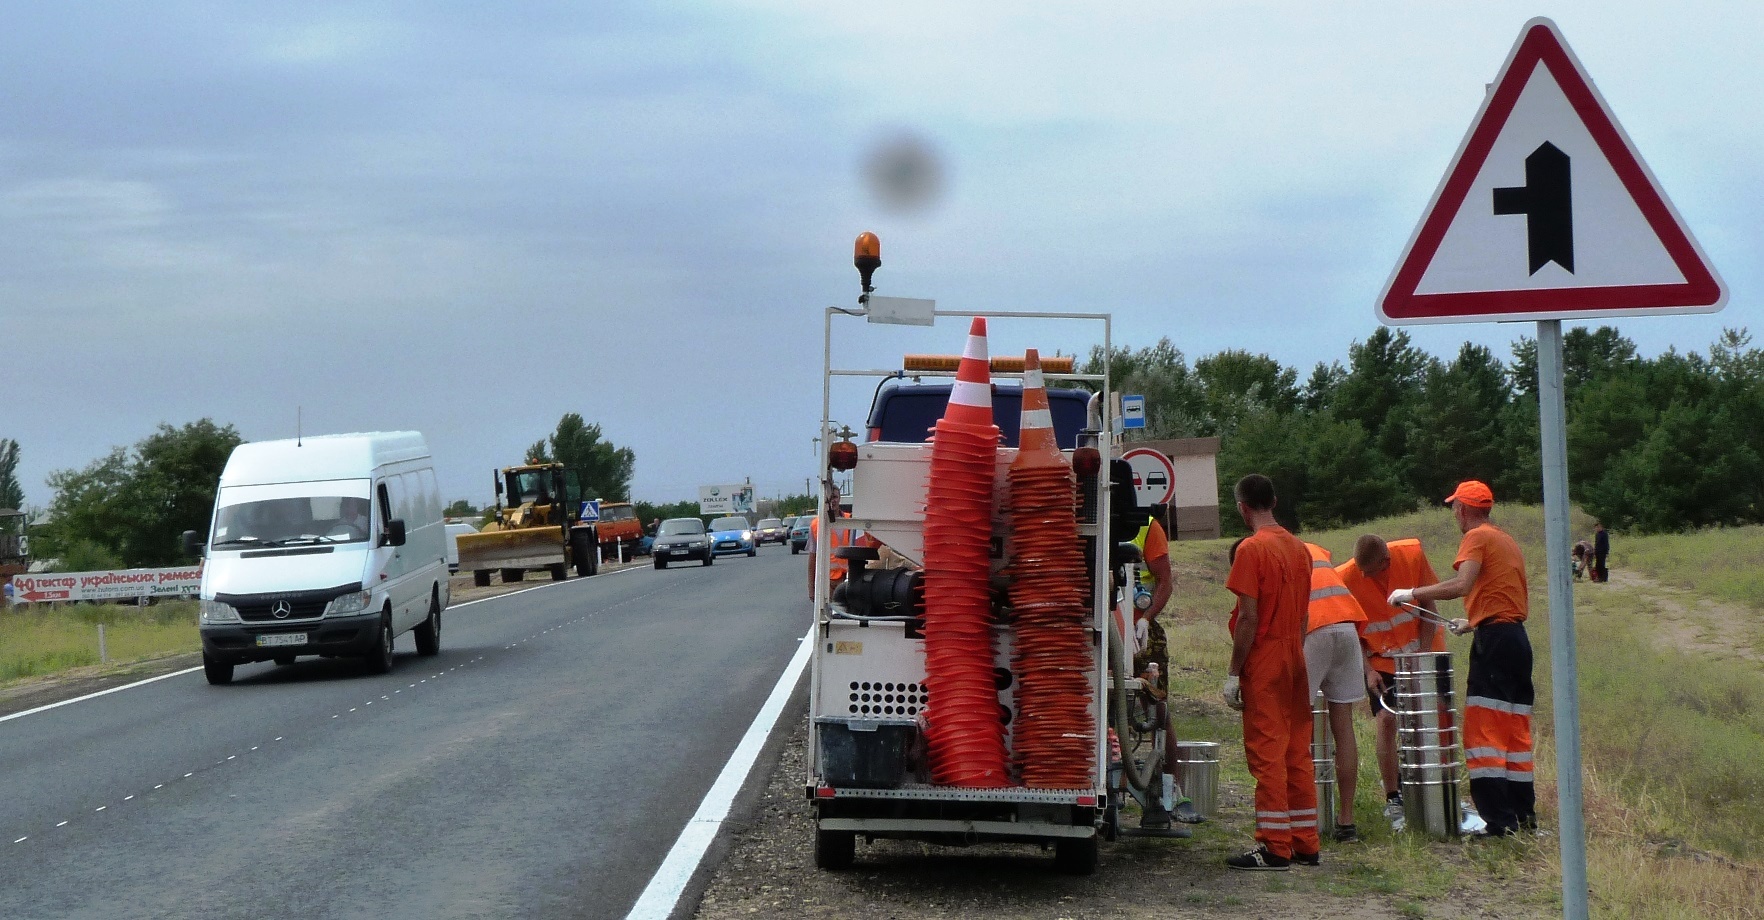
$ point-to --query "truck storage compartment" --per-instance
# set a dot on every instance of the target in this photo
(865, 753)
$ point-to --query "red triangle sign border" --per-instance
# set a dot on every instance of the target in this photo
(1540, 44)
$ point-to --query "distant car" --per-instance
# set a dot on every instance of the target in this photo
(680, 539)
(789, 522)
(730, 535)
(453, 532)
(770, 530)
(799, 533)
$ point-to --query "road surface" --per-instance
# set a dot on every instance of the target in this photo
(540, 766)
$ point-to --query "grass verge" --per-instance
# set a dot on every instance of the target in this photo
(39, 641)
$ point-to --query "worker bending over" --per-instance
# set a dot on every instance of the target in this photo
(1377, 569)
(1336, 667)
(1497, 703)
(1271, 576)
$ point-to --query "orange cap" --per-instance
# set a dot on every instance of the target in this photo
(1472, 493)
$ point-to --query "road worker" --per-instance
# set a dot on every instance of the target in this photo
(1377, 569)
(1157, 581)
(1497, 702)
(1271, 576)
(840, 537)
(1336, 667)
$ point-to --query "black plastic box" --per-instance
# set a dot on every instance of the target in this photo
(865, 753)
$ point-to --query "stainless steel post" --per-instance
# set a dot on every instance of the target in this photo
(103, 654)
(1427, 743)
(1564, 678)
(1323, 762)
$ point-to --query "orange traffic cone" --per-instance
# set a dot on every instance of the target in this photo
(1036, 435)
(970, 400)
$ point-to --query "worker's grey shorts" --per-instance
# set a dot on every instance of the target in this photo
(1335, 663)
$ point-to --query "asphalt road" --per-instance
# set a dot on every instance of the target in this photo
(540, 766)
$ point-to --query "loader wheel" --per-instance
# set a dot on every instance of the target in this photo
(835, 850)
(510, 576)
(585, 554)
(481, 578)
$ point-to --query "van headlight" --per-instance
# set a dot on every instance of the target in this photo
(353, 602)
(216, 613)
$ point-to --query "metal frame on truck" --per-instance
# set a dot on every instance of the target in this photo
(867, 673)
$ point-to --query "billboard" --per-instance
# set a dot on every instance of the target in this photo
(729, 499)
(107, 586)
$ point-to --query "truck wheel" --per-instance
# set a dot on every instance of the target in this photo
(379, 661)
(428, 632)
(583, 552)
(510, 576)
(481, 578)
(217, 672)
(559, 571)
(1075, 855)
(835, 850)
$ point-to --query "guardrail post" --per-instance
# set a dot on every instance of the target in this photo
(103, 654)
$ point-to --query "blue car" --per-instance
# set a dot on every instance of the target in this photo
(730, 535)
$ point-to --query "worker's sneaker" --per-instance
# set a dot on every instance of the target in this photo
(1346, 833)
(1307, 859)
(1393, 806)
(1259, 859)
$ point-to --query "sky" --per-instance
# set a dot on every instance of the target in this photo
(468, 219)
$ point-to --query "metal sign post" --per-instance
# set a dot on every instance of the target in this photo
(1564, 682)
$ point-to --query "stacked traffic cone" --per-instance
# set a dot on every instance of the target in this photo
(1054, 733)
(964, 732)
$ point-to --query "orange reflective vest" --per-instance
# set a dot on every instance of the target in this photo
(839, 537)
(1331, 601)
(1389, 630)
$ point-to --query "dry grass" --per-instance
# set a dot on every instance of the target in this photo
(37, 641)
(1723, 562)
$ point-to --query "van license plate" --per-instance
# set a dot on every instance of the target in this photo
(281, 639)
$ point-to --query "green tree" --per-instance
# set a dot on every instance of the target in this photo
(1173, 402)
(135, 504)
(11, 493)
(1692, 470)
(1235, 382)
(1385, 375)
(1455, 426)
(460, 508)
(1326, 471)
(603, 468)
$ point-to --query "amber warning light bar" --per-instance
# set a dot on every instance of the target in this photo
(1001, 364)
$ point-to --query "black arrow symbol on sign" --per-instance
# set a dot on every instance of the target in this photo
(1547, 201)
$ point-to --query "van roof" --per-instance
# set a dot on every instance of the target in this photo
(321, 457)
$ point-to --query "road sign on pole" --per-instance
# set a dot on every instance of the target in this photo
(1133, 412)
(1548, 213)
(1154, 475)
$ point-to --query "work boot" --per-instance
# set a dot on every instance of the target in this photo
(1307, 859)
(1186, 813)
(1259, 860)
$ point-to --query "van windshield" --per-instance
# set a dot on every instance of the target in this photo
(287, 520)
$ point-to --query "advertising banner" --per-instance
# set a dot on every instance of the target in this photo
(107, 586)
(729, 499)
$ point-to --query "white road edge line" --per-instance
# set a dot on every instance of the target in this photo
(663, 892)
(20, 715)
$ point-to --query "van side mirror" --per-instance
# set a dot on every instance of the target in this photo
(192, 543)
(394, 535)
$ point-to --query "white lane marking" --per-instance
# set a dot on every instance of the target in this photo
(62, 824)
(663, 892)
(139, 683)
(188, 775)
(127, 797)
(22, 839)
(101, 808)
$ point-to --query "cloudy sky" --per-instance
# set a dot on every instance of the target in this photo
(468, 219)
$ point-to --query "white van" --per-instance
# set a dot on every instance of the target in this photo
(330, 546)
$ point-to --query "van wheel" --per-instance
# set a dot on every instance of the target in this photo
(428, 632)
(510, 576)
(481, 578)
(217, 672)
(379, 661)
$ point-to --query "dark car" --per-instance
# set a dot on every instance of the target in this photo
(799, 533)
(906, 412)
(680, 539)
(770, 530)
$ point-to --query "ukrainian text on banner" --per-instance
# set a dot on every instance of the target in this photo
(107, 586)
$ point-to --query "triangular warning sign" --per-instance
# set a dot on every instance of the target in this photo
(1547, 212)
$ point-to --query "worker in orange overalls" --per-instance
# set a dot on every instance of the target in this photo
(1377, 569)
(1497, 702)
(1271, 576)
(840, 537)
(1336, 668)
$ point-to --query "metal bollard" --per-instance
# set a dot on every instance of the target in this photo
(1427, 743)
(1197, 770)
(1323, 761)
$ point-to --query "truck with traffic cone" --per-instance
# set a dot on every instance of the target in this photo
(966, 693)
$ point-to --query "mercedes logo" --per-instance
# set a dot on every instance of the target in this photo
(281, 609)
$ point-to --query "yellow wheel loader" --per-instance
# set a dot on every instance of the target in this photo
(538, 526)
